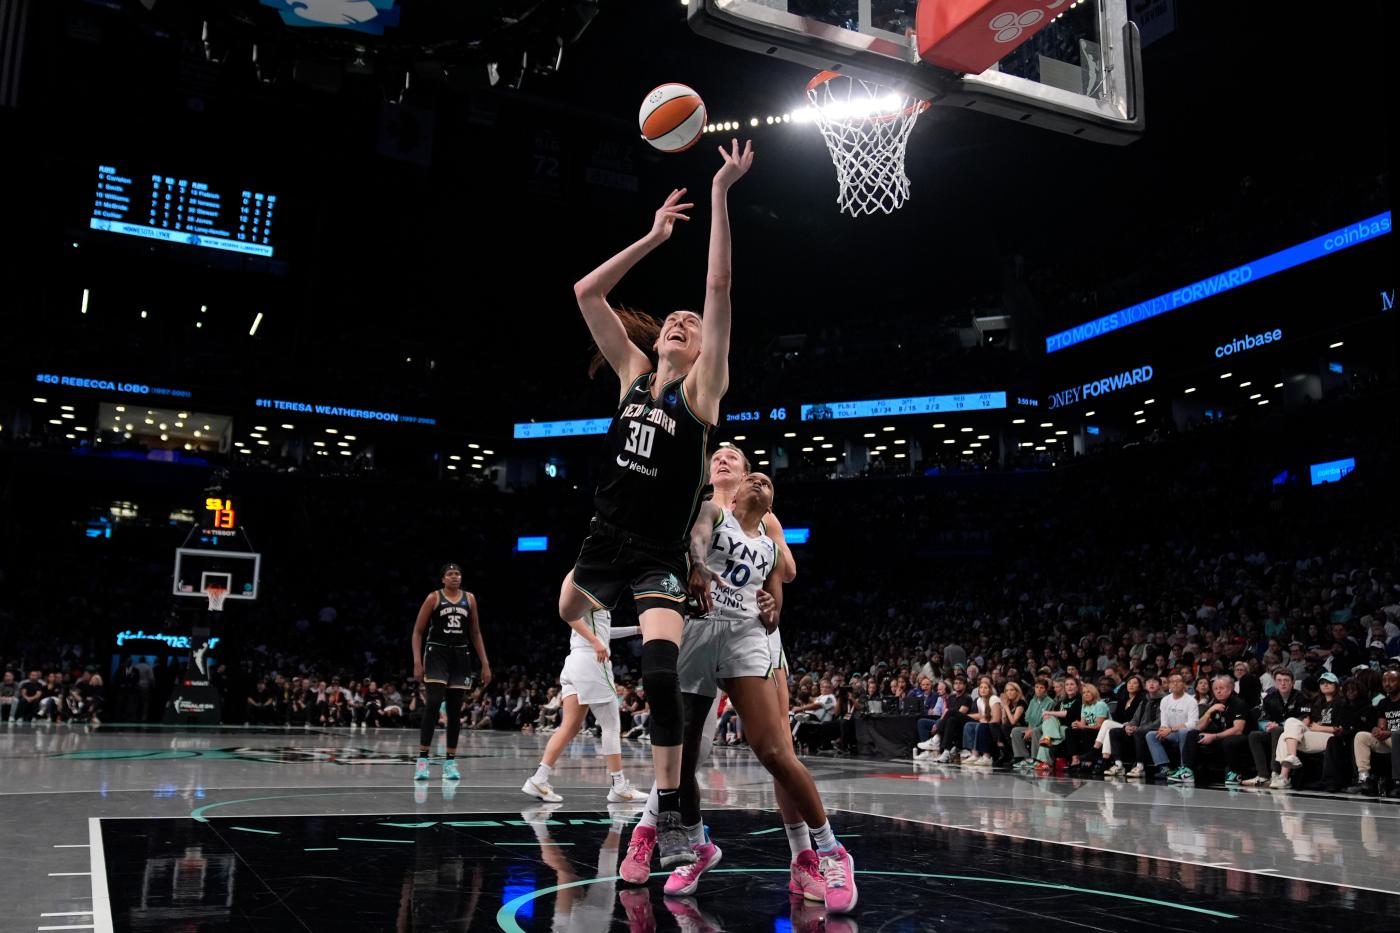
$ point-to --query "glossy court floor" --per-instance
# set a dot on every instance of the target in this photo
(132, 828)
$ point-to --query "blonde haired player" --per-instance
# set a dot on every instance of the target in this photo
(586, 683)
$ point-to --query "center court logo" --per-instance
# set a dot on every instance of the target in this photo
(1008, 26)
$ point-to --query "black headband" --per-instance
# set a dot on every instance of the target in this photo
(448, 567)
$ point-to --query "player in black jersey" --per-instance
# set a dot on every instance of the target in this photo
(451, 626)
(649, 491)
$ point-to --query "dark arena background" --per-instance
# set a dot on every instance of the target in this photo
(1110, 399)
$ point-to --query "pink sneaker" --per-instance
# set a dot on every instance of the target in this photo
(839, 870)
(686, 879)
(636, 867)
(806, 878)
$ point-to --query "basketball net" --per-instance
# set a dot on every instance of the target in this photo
(216, 596)
(866, 126)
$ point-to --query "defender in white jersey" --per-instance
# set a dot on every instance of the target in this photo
(732, 561)
(586, 683)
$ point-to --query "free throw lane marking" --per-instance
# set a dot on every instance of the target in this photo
(101, 899)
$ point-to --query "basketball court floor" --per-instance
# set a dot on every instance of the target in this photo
(153, 829)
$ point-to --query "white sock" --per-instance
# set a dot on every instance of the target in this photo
(799, 838)
(542, 775)
(824, 837)
(653, 808)
(617, 778)
(696, 833)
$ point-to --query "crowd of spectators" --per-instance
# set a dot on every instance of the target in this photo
(1164, 606)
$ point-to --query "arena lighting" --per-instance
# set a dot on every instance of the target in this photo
(763, 463)
(807, 450)
(1028, 443)
(1263, 401)
(1138, 412)
(1141, 421)
(345, 453)
(80, 428)
(741, 437)
(118, 408)
(287, 427)
(85, 301)
(449, 457)
(939, 425)
(348, 437)
(830, 459)
(474, 446)
(868, 434)
(451, 467)
(1047, 424)
(794, 434)
(901, 441)
(1255, 396)
(71, 437)
(1333, 346)
(1040, 448)
(332, 431)
(1090, 414)
(973, 444)
(1226, 375)
(1018, 420)
(1061, 432)
(488, 452)
(826, 446)
(264, 443)
(66, 408)
(761, 451)
(1246, 384)
(881, 448)
(949, 440)
(965, 430)
(313, 443)
(253, 331)
(899, 456)
(478, 457)
(1189, 391)
(968, 453)
(259, 427)
(819, 437)
(889, 428)
(984, 437)
(1149, 401)
(342, 443)
(55, 421)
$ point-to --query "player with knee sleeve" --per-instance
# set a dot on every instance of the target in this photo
(446, 631)
(586, 684)
(734, 573)
(650, 484)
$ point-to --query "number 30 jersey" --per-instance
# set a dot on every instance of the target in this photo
(656, 464)
(743, 565)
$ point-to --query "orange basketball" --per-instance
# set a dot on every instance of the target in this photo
(672, 117)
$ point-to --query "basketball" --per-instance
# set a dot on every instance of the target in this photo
(672, 117)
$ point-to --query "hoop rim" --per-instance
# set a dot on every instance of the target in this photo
(919, 106)
(216, 596)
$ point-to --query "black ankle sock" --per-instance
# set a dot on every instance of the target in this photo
(668, 801)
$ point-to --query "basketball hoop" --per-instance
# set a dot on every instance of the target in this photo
(216, 596)
(866, 126)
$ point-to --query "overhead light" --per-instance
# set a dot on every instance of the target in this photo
(819, 438)
(741, 437)
(79, 428)
(41, 401)
(198, 324)
(350, 437)
(899, 456)
(984, 437)
(165, 437)
(189, 446)
(1149, 401)
(451, 467)
(179, 424)
(454, 456)
(975, 444)
(889, 428)
(1040, 448)
(238, 443)
(345, 453)
(332, 431)
(203, 308)
(1047, 424)
(1018, 420)
(1138, 412)
(939, 424)
(901, 441)
(794, 434)
(1278, 385)
(206, 427)
(968, 453)
(197, 434)
(491, 452)
(1246, 384)
(66, 408)
(254, 434)
(1051, 440)
(150, 421)
(478, 457)
(826, 446)
(183, 414)
(55, 421)
(71, 437)
(85, 302)
(143, 315)
(260, 427)
(949, 440)
(868, 434)
(1226, 375)
(1028, 443)
(830, 459)
(288, 427)
(129, 428)
(1333, 346)
(265, 443)
(1255, 396)
(807, 450)
(1142, 421)
(318, 443)
(882, 447)
(1090, 414)
(342, 443)
(1263, 401)
(253, 331)
(965, 430)
(1189, 391)
(764, 451)
(118, 408)
(1061, 432)
(474, 446)
(164, 426)
(763, 463)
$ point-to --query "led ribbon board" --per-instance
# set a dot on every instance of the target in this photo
(891, 407)
(1344, 238)
(533, 430)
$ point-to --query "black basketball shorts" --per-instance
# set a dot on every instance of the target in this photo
(612, 561)
(446, 665)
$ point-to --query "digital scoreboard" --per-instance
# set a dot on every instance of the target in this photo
(144, 201)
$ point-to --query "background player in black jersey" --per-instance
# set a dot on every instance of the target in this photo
(649, 490)
(446, 620)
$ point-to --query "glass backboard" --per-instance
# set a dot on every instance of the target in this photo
(1073, 66)
(196, 569)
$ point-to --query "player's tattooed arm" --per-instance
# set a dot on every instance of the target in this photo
(702, 534)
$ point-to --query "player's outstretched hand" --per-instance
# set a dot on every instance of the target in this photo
(699, 587)
(667, 215)
(736, 164)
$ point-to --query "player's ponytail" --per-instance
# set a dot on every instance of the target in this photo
(642, 329)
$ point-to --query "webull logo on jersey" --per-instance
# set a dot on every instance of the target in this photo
(1075, 394)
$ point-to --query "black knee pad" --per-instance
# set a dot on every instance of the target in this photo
(663, 689)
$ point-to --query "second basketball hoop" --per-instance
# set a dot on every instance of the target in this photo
(866, 126)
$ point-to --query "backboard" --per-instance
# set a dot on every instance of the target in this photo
(1072, 66)
(196, 569)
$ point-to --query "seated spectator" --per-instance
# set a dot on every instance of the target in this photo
(1380, 738)
(1308, 733)
(482, 715)
(371, 712)
(260, 706)
(1279, 706)
(1221, 731)
(1356, 713)
(815, 722)
(978, 737)
(1055, 722)
(1026, 736)
(935, 704)
(392, 714)
(1093, 713)
(957, 705)
(9, 697)
(1013, 704)
(1178, 715)
(1125, 743)
(1123, 711)
(31, 697)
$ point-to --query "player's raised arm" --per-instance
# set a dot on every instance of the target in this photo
(709, 380)
(592, 291)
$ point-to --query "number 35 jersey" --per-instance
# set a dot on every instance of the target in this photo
(656, 464)
(742, 565)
